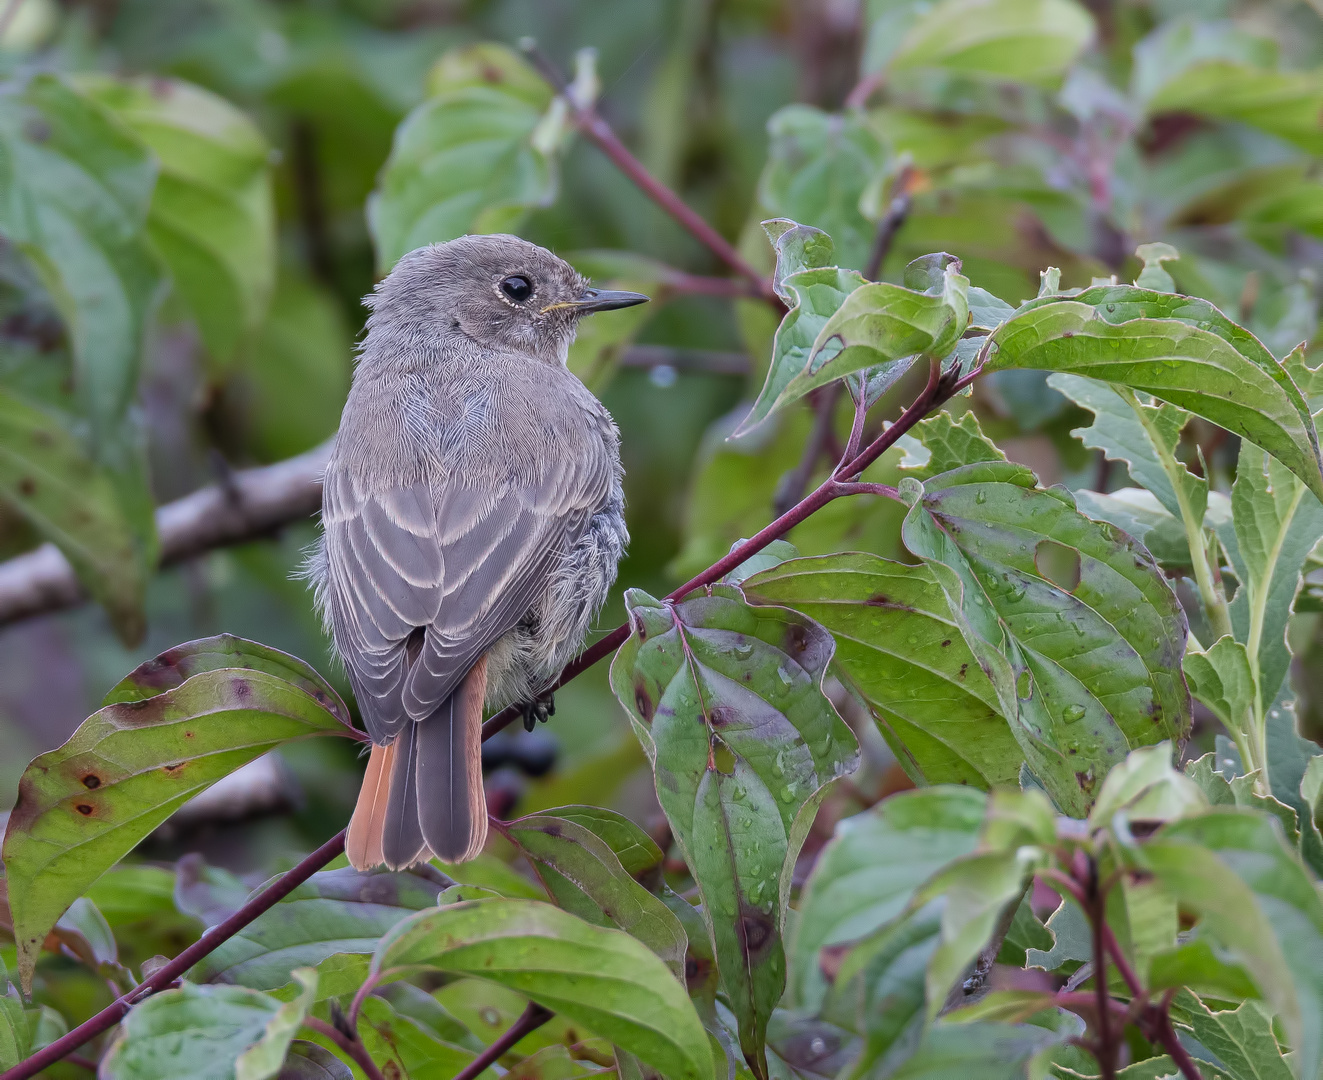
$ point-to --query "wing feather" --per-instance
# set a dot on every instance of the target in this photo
(463, 561)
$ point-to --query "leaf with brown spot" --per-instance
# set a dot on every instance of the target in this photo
(898, 645)
(743, 744)
(583, 875)
(54, 848)
(1082, 676)
(172, 667)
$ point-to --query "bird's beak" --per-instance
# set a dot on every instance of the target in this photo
(606, 300)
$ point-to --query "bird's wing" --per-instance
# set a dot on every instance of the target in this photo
(423, 579)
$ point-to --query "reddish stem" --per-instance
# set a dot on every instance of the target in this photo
(1160, 1026)
(532, 1018)
(352, 1048)
(113, 1013)
(600, 133)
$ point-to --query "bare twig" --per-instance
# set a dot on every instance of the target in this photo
(251, 503)
(901, 200)
(531, 1019)
(352, 1048)
(1097, 913)
(589, 121)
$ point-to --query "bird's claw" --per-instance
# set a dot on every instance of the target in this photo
(538, 710)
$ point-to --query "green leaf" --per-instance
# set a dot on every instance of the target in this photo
(1081, 662)
(1283, 103)
(333, 913)
(1240, 791)
(978, 890)
(174, 666)
(638, 853)
(1231, 869)
(1031, 41)
(1180, 350)
(467, 159)
(1241, 1038)
(1072, 939)
(80, 506)
(1196, 966)
(1289, 762)
(408, 1044)
(867, 875)
(1276, 523)
(211, 217)
(900, 647)
(1221, 679)
(812, 295)
(14, 1034)
(1138, 512)
(1141, 439)
(727, 700)
(206, 1032)
(584, 877)
(1145, 787)
(950, 443)
(1154, 275)
(879, 325)
(603, 979)
(125, 770)
(75, 186)
(987, 1050)
(264, 1058)
(308, 1061)
(819, 166)
(878, 985)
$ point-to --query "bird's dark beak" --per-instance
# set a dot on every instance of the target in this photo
(607, 300)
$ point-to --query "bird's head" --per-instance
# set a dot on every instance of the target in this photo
(497, 290)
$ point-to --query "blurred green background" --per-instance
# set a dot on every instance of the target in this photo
(1030, 133)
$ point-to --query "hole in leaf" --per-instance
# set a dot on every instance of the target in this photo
(1058, 563)
(723, 758)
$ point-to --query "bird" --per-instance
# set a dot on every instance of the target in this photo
(472, 524)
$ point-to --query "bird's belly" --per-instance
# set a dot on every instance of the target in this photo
(527, 659)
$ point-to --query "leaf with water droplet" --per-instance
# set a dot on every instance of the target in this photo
(1116, 594)
(685, 683)
(908, 661)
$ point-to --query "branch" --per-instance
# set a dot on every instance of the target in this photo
(1159, 1017)
(245, 505)
(352, 1048)
(532, 1018)
(891, 222)
(176, 968)
(599, 132)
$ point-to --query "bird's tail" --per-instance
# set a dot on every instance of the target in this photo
(422, 795)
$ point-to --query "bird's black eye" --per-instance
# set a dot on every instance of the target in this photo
(517, 287)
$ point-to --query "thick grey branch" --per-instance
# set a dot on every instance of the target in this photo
(247, 504)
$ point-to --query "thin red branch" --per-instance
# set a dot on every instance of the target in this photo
(211, 940)
(1161, 1031)
(1122, 964)
(531, 1019)
(351, 1048)
(589, 121)
(892, 220)
(931, 396)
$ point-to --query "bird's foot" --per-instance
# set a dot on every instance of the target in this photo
(543, 707)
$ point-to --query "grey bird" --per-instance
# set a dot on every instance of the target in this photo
(472, 522)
